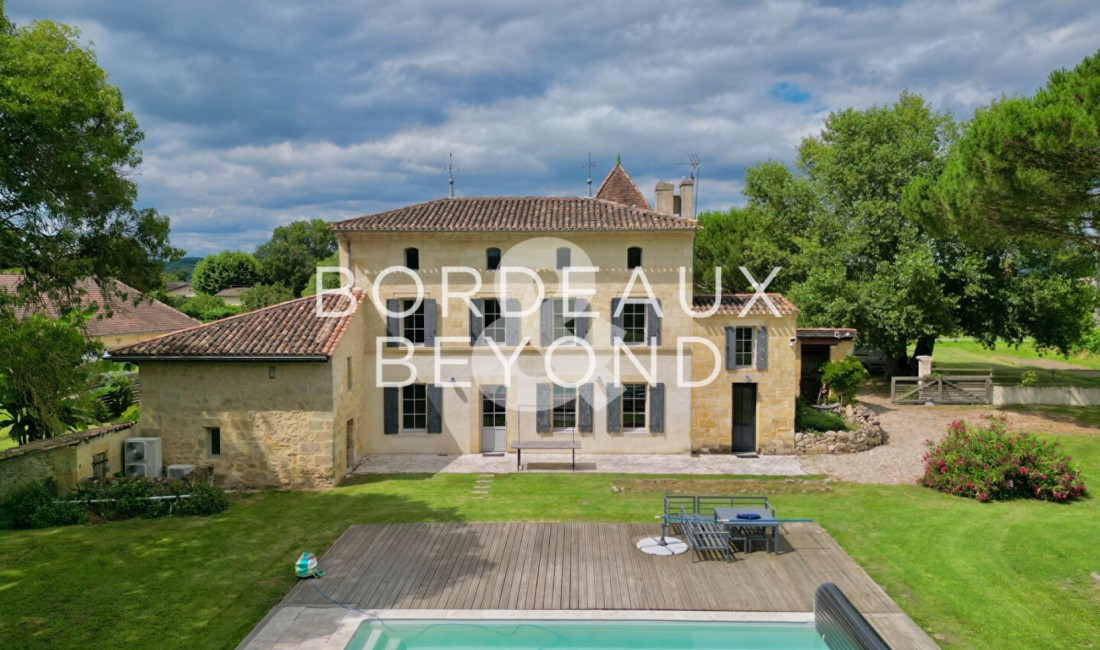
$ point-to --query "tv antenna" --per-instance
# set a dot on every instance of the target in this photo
(589, 166)
(451, 169)
(695, 163)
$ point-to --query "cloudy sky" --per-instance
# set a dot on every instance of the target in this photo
(262, 113)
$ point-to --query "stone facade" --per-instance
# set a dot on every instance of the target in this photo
(67, 458)
(867, 434)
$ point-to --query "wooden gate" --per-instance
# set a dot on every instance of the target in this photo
(942, 390)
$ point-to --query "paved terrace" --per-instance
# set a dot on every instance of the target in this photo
(605, 463)
(564, 570)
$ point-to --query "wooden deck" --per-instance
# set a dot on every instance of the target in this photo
(585, 566)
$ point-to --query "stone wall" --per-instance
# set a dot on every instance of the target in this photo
(1056, 395)
(276, 419)
(868, 433)
(67, 458)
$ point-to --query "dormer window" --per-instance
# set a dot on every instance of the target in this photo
(492, 259)
(412, 259)
(564, 257)
(633, 257)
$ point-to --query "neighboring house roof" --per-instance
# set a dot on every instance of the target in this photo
(232, 292)
(515, 214)
(125, 318)
(176, 285)
(289, 331)
(617, 187)
(733, 303)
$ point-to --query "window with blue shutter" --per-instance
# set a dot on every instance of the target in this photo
(543, 396)
(477, 317)
(435, 408)
(512, 322)
(657, 408)
(393, 322)
(390, 410)
(762, 348)
(614, 409)
(586, 394)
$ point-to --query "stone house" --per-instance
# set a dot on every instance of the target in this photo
(475, 324)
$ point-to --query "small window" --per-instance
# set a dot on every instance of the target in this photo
(215, 438)
(633, 401)
(349, 372)
(493, 328)
(492, 259)
(565, 408)
(412, 325)
(414, 407)
(634, 323)
(742, 347)
(563, 326)
(633, 257)
(412, 259)
(99, 465)
(564, 257)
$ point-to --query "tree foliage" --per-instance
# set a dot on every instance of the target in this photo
(68, 149)
(206, 308)
(224, 270)
(853, 255)
(721, 244)
(328, 280)
(294, 250)
(1026, 165)
(43, 374)
(264, 295)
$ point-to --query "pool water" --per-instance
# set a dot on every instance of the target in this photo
(595, 635)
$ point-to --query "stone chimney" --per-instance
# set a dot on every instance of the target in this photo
(663, 202)
(687, 198)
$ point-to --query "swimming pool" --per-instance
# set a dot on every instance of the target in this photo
(593, 635)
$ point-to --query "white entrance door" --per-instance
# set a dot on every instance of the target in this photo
(494, 419)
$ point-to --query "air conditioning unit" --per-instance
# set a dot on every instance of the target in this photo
(179, 471)
(141, 457)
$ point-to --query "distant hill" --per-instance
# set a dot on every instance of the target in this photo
(187, 264)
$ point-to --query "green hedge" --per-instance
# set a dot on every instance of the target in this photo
(809, 419)
(44, 503)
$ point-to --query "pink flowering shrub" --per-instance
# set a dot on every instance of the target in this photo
(986, 463)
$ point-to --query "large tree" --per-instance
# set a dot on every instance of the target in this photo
(293, 252)
(68, 151)
(223, 270)
(851, 255)
(1027, 165)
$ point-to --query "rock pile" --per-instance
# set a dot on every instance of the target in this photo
(866, 435)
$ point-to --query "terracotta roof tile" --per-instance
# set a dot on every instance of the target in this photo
(291, 329)
(515, 214)
(617, 187)
(146, 317)
(733, 303)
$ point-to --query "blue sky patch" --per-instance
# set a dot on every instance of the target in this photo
(788, 92)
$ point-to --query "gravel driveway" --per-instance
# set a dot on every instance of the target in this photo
(908, 426)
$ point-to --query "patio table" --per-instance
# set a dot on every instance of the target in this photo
(767, 519)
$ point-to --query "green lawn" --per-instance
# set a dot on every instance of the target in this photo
(1008, 363)
(978, 575)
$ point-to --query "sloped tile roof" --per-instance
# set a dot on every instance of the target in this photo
(290, 330)
(733, 303)
(617, 187)
(146, 317)
(515, 214)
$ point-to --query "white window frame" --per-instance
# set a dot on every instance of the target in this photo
(413, 400)
(632, 304)
(497, 330)
(624, 400)
(738, 352)
(406, 304)
(560, 396)
(564, 330)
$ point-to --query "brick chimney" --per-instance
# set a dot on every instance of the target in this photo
(663, 202)
(687, 198)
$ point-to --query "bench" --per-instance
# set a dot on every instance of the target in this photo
(520, 445)
(707, 536)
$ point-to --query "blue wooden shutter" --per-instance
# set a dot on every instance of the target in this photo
(435, 408)
(393, 323)
(543, 396)
(616, 321)
(586, 394)
(511, 322)
(762, 348)
(546, 322)
(477, 319)
(584, 322)
(389, 410)
(657, 408)
(730, 348)
(652, 324)
(429, 322)
(614, 408)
